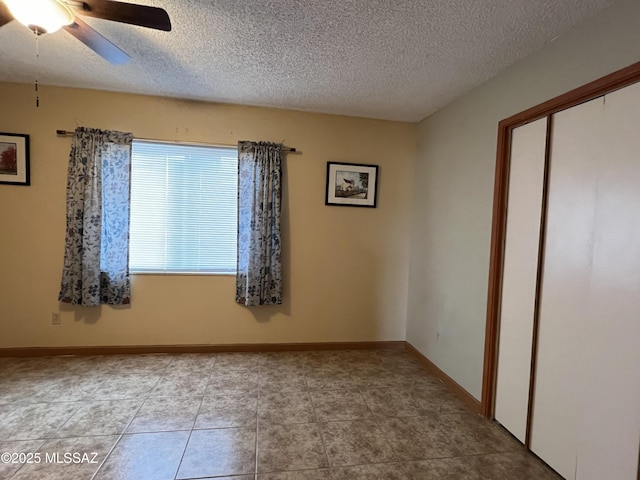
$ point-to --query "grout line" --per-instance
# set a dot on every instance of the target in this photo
(193, 428)
(124, 430)
(186, 445)
(195, 419)
(319, 424)
(379, 425)
(258, 392)
(108, 454)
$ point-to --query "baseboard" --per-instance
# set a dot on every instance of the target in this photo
(239, 347)
(451, 384)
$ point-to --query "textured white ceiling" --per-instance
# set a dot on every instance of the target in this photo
(396, 60)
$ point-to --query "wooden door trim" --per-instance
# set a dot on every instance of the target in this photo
(607, 84)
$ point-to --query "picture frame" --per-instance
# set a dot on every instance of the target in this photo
(351, 184)
(14, 159)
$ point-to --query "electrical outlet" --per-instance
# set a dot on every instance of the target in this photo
(55, 319)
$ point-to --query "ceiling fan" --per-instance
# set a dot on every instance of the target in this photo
(47, 16)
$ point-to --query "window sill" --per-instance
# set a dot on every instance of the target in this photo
(197, 274)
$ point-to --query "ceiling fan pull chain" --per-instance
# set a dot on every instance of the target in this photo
(37, 67)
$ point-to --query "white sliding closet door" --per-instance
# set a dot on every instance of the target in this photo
(526, 177)
(572, 196)
(609, 430)
(586, 409)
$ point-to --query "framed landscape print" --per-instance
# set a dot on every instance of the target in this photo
(14, 159)
(351, 184)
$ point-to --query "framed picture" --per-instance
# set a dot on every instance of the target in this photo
(14, 159)
(351, 184)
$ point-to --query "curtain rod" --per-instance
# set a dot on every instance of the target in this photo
(67, 133)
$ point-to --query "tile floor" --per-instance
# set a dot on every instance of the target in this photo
(340, 415)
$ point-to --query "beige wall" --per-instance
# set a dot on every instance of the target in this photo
(346, 269)
(454, 175)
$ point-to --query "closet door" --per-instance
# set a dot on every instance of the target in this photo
(522, 242)
(609, 430)
(586, 409)
(575, 151)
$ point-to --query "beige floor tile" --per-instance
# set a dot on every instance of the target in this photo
(320, 474)
(145, 456)
(71, 388)
(28, 367)
(237, 360)
(438, 400)
(456, 468)
(225, 381)
(173, 384)
(391, 402)
(378, 471)
(355, 443)
(218, 452)
(326, 360)
(166, 414)
(125, 385)
(339, 405)
(363, 357)
(378, 377)
(196, 363)
(417, 438)
(100, 417)
(35, 420)
(20, 389)
(151, 365)
(285, 408)
(290, 447)
(519, 464)
(20, 451)
(227, 411)
(68, 459)
(474, 435)
(329, 379)
(282, 360)
(233, 477)
(283, 380)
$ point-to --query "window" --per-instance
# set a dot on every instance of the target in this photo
(183, 208)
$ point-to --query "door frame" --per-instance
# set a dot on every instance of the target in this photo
(607, 84)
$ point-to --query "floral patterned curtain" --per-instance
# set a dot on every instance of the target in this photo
(96, 258)
(259, 276)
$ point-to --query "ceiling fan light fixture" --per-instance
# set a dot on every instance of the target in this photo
(41, 16)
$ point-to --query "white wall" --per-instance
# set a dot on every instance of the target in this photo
(454, 174)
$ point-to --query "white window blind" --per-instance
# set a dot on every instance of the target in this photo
(183, 208)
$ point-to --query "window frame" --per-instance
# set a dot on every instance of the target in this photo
(186, 272)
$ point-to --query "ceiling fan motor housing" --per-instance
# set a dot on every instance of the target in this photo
(41, 16)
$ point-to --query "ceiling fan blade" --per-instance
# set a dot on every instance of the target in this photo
(5, 14)
(142, 15)
(96, 42)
